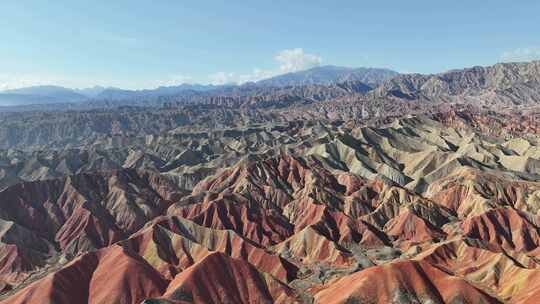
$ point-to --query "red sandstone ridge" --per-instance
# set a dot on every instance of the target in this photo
(506, 227)
(402, 282)
(407, 226)
(260, 225)
(110, 275)
(157, 258)
(171, 244)
(221, 279)
(470, 192)
(42, 220)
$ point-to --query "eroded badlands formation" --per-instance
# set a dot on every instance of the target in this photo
(436, 208)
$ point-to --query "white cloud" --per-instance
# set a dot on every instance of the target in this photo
(172, 80)
(522, 54)
(286, 61)
(222, 78)
(290, 60)
(294, 60)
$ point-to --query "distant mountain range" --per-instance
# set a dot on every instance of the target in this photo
(56, 94)
(121, 94)
(39, 95)
(516, 83)
(504, 82)
(329, 74)
(325, 75)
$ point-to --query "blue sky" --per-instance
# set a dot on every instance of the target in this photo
(144, 44)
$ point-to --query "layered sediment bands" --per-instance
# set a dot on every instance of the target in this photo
(42, 221)
(506, 227)
(189, 152)
(425, 209)
(228, 280)
(96, 277)
(402, 282)
(174, 236)
(497, 271)
(187, 155)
